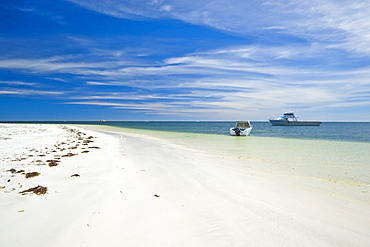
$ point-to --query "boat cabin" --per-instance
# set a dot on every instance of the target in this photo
(289, 116)
(243, 124)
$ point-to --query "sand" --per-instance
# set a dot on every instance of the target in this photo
(142, 188)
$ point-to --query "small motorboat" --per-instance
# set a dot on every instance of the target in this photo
(242, 128)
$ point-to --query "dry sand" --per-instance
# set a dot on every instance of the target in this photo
(133, 189)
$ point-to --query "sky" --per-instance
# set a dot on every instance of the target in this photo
(184, 60)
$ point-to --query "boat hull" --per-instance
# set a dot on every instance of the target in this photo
(294, 123)
(243, 132)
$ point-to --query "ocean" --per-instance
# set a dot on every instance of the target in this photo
(340, 131)
(336, 152)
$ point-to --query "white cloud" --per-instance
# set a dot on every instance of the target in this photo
(18, 83)
(46, 14)
(223, 81)
(343, 24)
(9, 92)
(29, 92)
(41, 65)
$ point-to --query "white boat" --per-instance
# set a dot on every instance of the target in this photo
(289, 119)
(242, 128)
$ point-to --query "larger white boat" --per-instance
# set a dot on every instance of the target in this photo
(242, 128)
(289, 119)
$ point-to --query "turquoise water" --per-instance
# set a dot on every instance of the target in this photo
(306, 160)
(341, 131)
(327, 131)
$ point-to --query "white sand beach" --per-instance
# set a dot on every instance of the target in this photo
(148, 189)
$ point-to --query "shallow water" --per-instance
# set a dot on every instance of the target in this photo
(346, 131)
(341, 131)
(321, 159)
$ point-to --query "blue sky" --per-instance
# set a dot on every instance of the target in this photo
(184, 60)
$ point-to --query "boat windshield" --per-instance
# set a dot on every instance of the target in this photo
(289, 116)
(243, 124)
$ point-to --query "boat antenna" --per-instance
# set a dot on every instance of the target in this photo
(295, 107)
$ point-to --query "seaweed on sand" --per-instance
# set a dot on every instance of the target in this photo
(53, 162)
(32, 174)
(12, 170)
(95, 147)
(38, 190)
(69, 155)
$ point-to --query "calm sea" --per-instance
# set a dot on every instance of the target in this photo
(344, 131)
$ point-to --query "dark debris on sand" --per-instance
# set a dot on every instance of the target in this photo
(53, 162)
(38, 190)
(53, 156)
(32, 174)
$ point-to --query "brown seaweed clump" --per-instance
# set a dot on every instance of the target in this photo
(69, 155)
(12, 170)
(32, 174)
(53, 162)
(95, 147)
(38, 190)
(15, 171)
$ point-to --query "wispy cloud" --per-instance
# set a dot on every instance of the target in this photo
(18, 83)
(343, 24)
(32, 8)
(313, 54)
(51, 64)
(230, 79)
(26, 88)
(29, 92)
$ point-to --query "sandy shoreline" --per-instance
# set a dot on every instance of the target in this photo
(138, 190)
